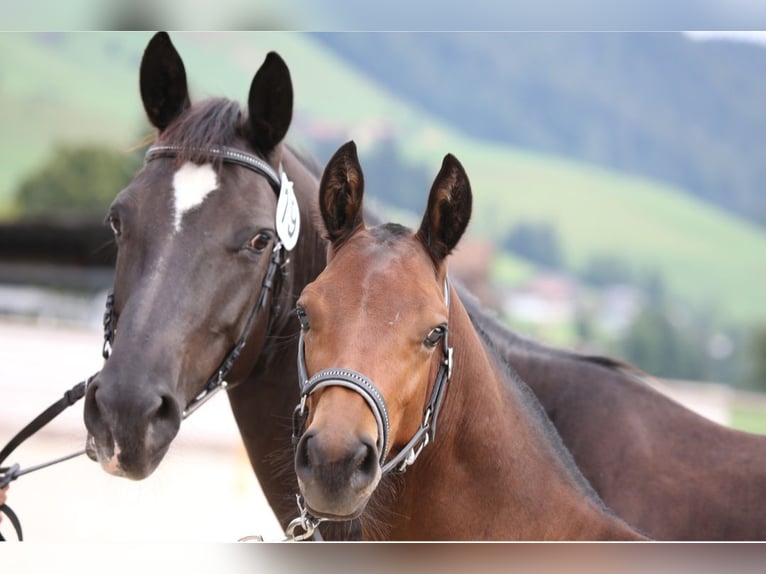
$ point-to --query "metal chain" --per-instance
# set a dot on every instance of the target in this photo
(301, 528)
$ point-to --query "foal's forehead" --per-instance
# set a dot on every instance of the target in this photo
(385, 254)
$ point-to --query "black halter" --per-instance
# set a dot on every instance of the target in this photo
(372, 396)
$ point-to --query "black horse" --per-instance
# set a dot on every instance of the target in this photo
(204, 283)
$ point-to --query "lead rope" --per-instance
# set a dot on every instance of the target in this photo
(10, 473)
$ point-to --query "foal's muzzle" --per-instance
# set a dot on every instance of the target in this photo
(350, 380)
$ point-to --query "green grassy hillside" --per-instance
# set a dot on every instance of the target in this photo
(84, 86)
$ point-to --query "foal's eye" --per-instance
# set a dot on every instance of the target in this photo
(260, 241)
(115, 224)
(434, 336)
(303, 318)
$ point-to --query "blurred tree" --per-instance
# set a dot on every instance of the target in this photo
(658, 105)
(537, 242)
(388, 175)
(604, 269)
(77, 181)
(393, 179)
(757, 354)
(656, 345)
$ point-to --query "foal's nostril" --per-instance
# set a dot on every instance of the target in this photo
(365, 458)
(303, 459)
(365, 464)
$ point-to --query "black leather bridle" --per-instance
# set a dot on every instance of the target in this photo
(217, 380)
(369, 392)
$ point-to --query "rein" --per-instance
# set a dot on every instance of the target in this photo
(216, 382)
(10, 473)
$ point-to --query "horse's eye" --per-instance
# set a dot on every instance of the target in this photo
(303, 317)
(116, 225)
(434, 336)
(260, 241)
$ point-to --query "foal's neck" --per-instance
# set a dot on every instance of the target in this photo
(496, 468)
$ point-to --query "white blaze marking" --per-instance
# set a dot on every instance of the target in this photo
(112, 465)
(191, 185)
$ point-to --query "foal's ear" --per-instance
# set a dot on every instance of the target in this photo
(162, 80)
(340, 194)
(270, 103)
(448, 211)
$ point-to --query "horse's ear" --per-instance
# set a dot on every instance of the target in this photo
(448, 211)
(340, 194)
(163, 81)
(270, 103)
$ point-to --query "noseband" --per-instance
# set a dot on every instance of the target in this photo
(374, 399)
(278, 183)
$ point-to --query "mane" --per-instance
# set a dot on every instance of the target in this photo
(211, 122)
(389, 233)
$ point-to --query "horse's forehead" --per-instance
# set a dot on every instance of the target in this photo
(173, 194)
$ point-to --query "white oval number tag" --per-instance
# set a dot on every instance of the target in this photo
(288, 216)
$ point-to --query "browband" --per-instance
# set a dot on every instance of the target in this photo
(227, 154)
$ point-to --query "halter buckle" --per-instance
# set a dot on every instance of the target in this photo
(206, 394)
(415, 452)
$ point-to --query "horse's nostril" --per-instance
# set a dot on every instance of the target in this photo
(92, 410)
(166, 410)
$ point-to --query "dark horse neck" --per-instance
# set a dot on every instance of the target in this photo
(263, 403)
(496, 469)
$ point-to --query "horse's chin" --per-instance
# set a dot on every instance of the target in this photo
(113, 464)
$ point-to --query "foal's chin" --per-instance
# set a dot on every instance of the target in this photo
(335, 513)
(337, 507)
(115, 462)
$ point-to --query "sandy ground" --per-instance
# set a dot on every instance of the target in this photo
(203, 491)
